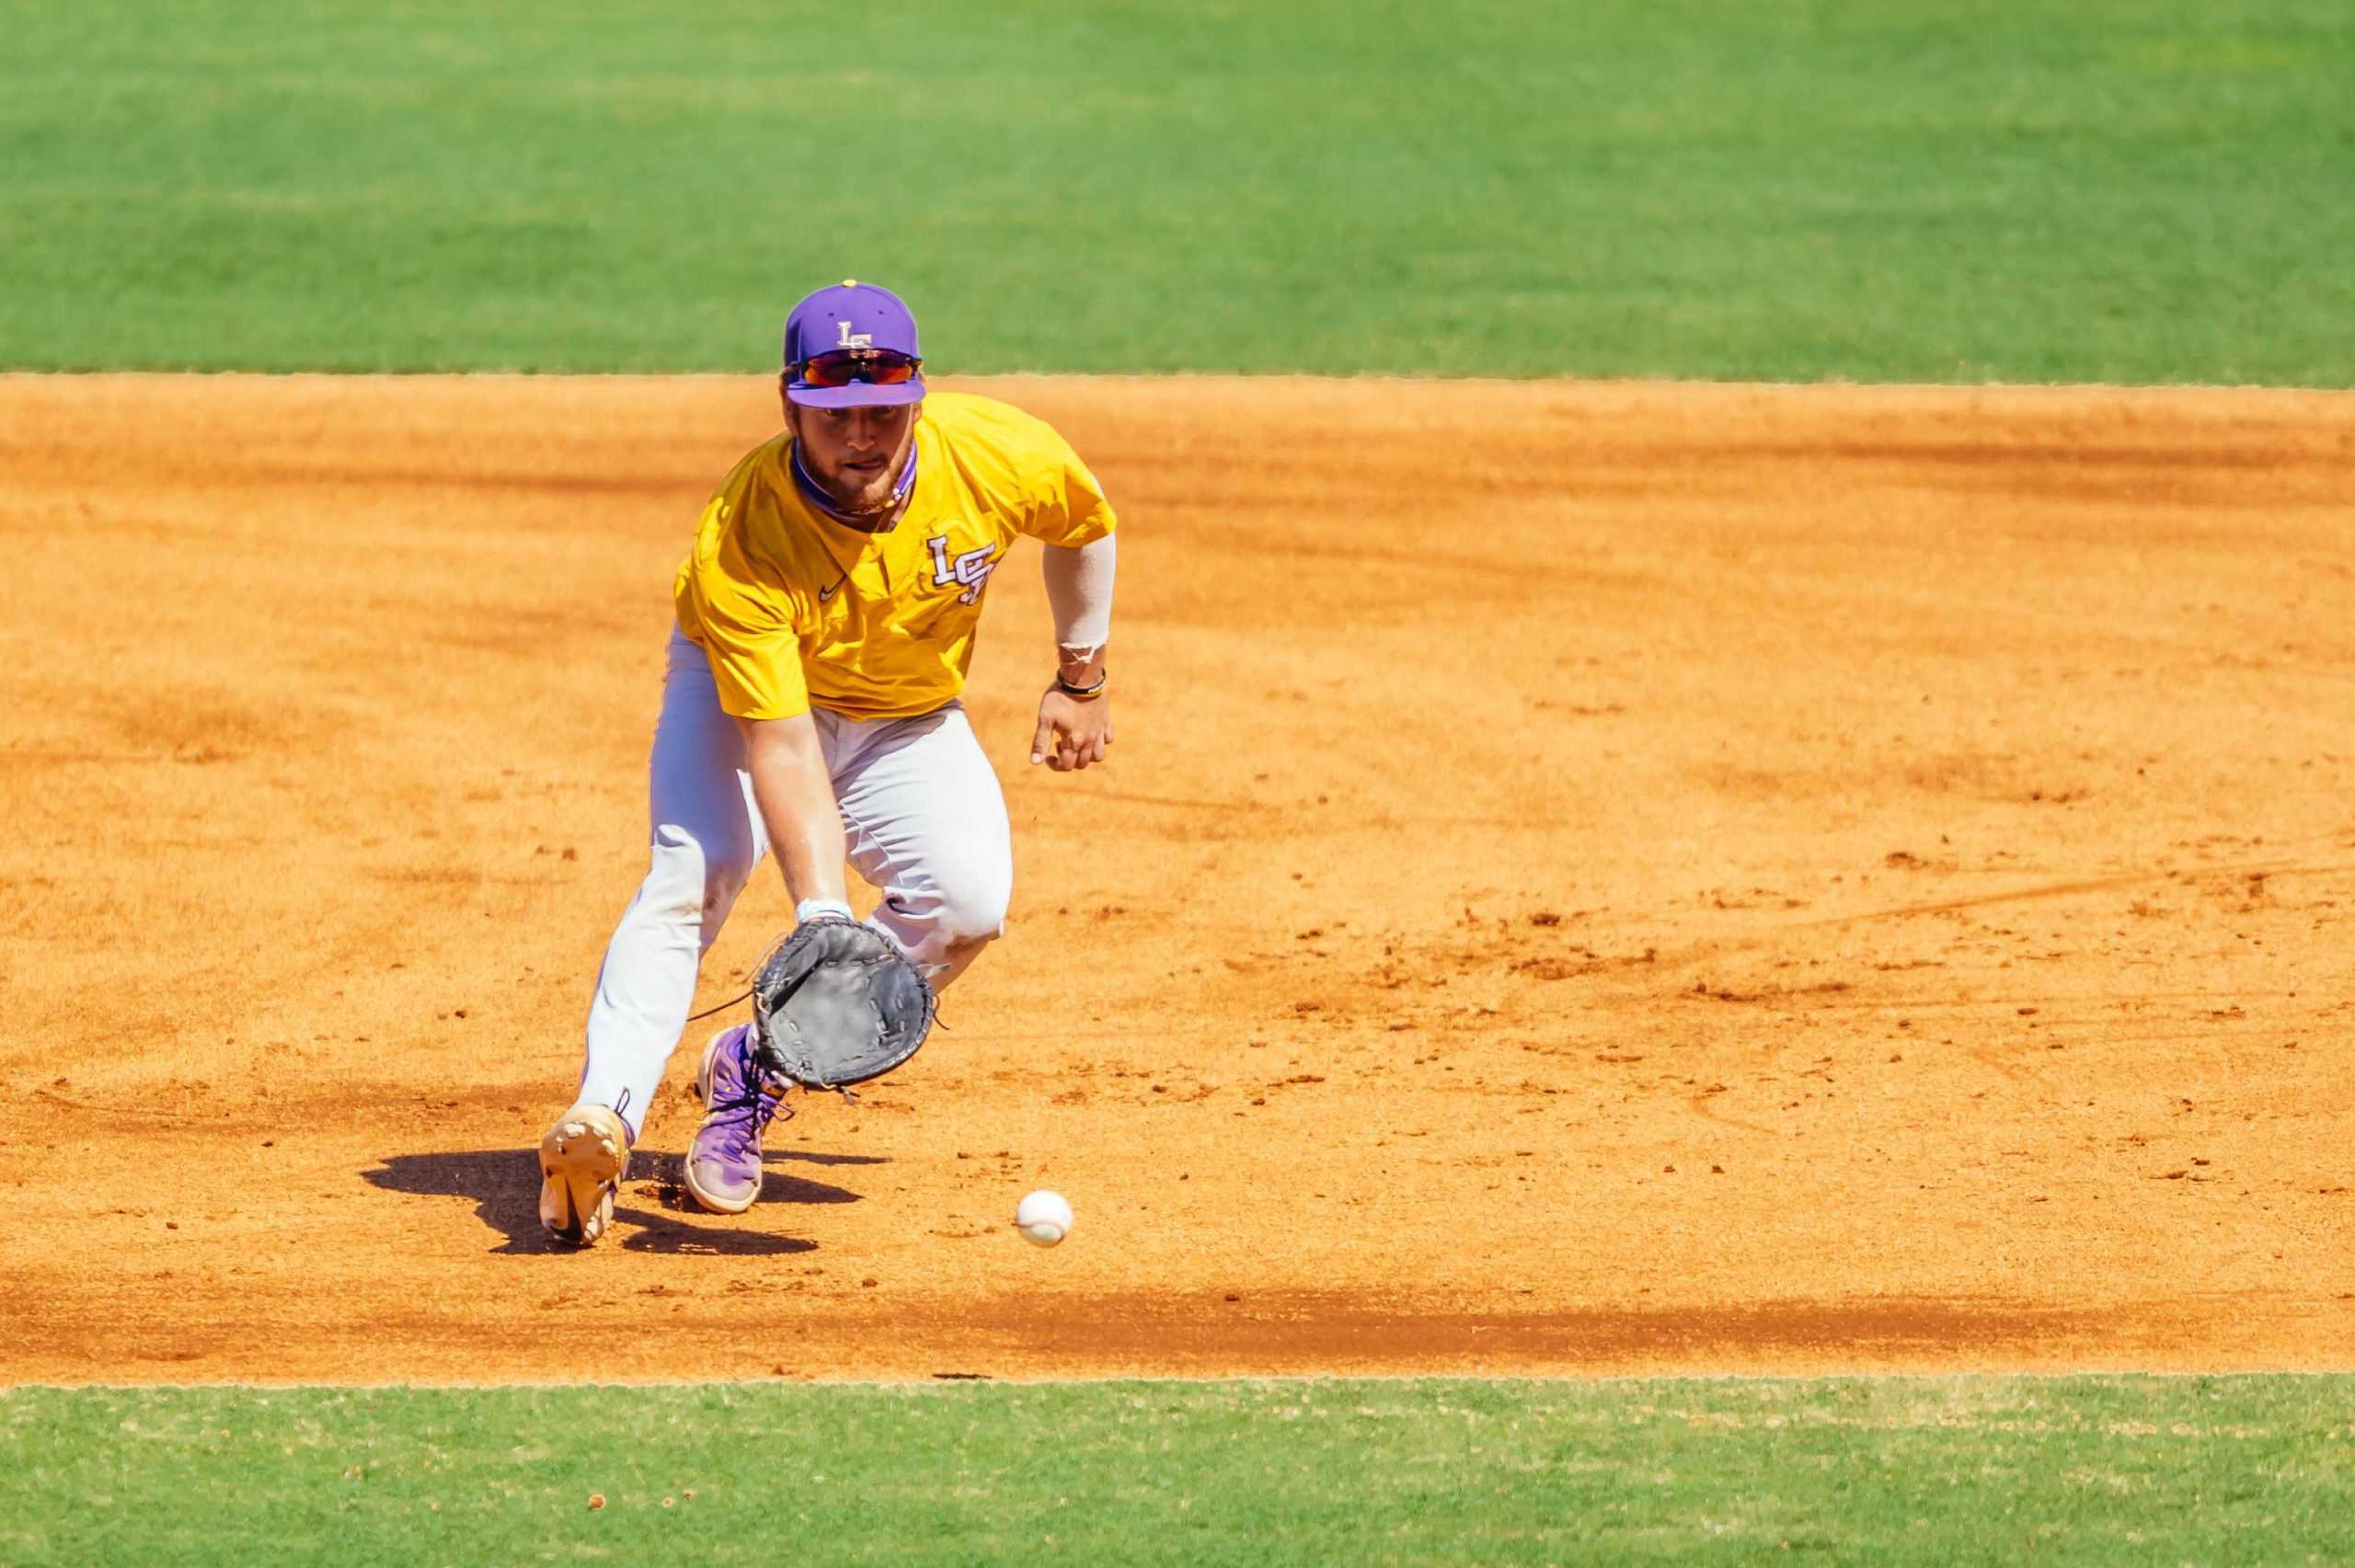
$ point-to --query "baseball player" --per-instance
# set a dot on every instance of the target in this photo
(826, 618)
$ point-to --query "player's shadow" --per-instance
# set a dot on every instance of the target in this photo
(505, 1186)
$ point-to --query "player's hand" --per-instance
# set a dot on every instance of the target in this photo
(1071, 733)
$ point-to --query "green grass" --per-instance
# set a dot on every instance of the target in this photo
(2141, 190)
(1932, 1471)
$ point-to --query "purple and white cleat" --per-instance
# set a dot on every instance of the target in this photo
(723, 1163)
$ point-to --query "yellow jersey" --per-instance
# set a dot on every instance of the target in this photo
(795, 610)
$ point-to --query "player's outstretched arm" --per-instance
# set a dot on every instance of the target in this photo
(1076, 712)
(796, 800)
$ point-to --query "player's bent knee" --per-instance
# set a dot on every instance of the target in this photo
(969, 911)
(959, 940)
(975, 918)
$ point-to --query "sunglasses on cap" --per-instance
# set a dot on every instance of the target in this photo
(874, 366)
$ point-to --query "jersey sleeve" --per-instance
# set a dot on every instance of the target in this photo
(746, 620)
(1066, 505)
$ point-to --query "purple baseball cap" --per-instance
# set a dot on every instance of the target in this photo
(851, 317)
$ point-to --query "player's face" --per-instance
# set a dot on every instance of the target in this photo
(855, 454)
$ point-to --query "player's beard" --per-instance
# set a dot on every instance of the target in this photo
(868, 491)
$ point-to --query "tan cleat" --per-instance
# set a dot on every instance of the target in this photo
(582, 1162)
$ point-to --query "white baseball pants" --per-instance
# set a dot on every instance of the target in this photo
(925, 822)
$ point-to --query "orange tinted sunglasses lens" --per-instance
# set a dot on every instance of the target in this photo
(841, 370)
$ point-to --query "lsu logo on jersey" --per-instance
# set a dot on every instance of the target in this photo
(970, 571)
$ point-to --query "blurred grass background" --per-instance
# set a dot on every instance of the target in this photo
(2131, 191)
(1885, 1471)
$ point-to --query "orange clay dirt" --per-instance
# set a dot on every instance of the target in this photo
(1593, 878)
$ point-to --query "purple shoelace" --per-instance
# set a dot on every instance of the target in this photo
(743, 1103)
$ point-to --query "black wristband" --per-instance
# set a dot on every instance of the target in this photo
(1103, 678)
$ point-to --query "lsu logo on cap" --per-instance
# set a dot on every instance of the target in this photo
(849, 339)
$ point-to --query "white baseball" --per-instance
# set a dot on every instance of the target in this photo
(1043, 1217)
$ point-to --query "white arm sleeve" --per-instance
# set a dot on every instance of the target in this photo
(1079, 592)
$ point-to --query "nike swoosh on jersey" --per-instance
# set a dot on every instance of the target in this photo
(826, 593)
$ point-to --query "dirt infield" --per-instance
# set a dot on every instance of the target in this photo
(1591, 878)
